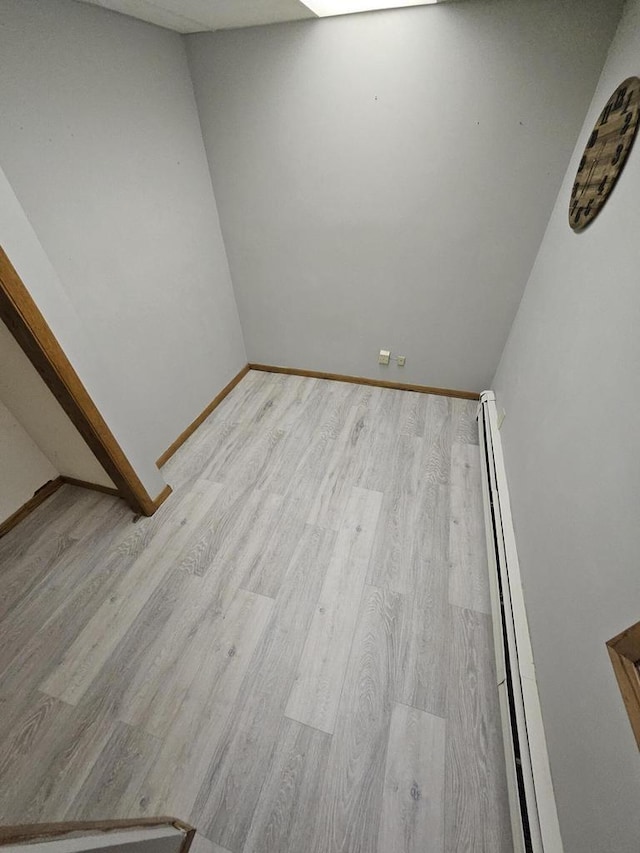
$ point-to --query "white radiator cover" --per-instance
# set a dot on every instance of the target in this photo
(531, 798)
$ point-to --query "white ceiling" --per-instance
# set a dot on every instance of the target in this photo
(196, 16)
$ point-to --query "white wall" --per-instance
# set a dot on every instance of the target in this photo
(23, 467)
(101, 142)
(568, 380)
(33, 266)
(30, 401)
(384, 180)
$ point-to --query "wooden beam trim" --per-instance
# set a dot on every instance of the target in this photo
(28, 326)
(96, 487)
(624, 652)
(164, 494)
(15, 834)
(27, 508)
(363, 380)
(193, 426)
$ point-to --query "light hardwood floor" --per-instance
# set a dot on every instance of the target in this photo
(294, 653)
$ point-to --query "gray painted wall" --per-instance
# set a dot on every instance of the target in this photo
(385, 180)
(568, 380)
(101, 142)
(26, 395)
(23, 466)
(21, 244)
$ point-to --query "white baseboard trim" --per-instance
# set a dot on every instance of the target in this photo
(531, 798)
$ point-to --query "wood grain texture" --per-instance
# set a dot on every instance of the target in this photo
(413, 797)
(34, 635)
(476, 804)
(116, 774)
(392, 565)
(203, 715)
(464, 423)
(291, 791)
(34, 528)
(318, 684)
(203, 845)
(468, 580)
(334, 491)
(175, 642)
(606, 153)
(31, 331)
(426, 639)
(101, 635)
(624, 653)
(237, 768)
(28, 507)
(349, 809)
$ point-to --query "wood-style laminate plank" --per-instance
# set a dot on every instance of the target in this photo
(52, 772)
(465, 426)
(175, 777)
(91, 723)
(46, 619)
(201, 844)
(476, 804)
(266, 566)
(383, 425)
(425, 643)
(302, 473)
(413, 797)
(391, 564)
(350, 804)
(36, 528)
(198, 452)
(414, 410)
(231, 786)
(234, 534)
(180, 637)
(116, 775)
(291, 791)
(468, 578)
(66, 756)
(39, 713)
(334, 490)
(318, 685)
(435, 465)
(45, 622)
(24, 574)
(181, 651)
(98, 640)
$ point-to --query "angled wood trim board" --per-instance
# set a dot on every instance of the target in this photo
(27, 325)
(44, 831)
(95, 487)
(27, 508)
(363, 380)
(193, 426)
(624, 651)
(164, 494)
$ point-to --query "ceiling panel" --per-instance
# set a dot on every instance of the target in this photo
(194, 16)
(223, 14)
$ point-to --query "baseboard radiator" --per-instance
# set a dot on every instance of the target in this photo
(531, 799)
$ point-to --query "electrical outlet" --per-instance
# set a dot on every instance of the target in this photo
(384, 356)
(402, 359)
